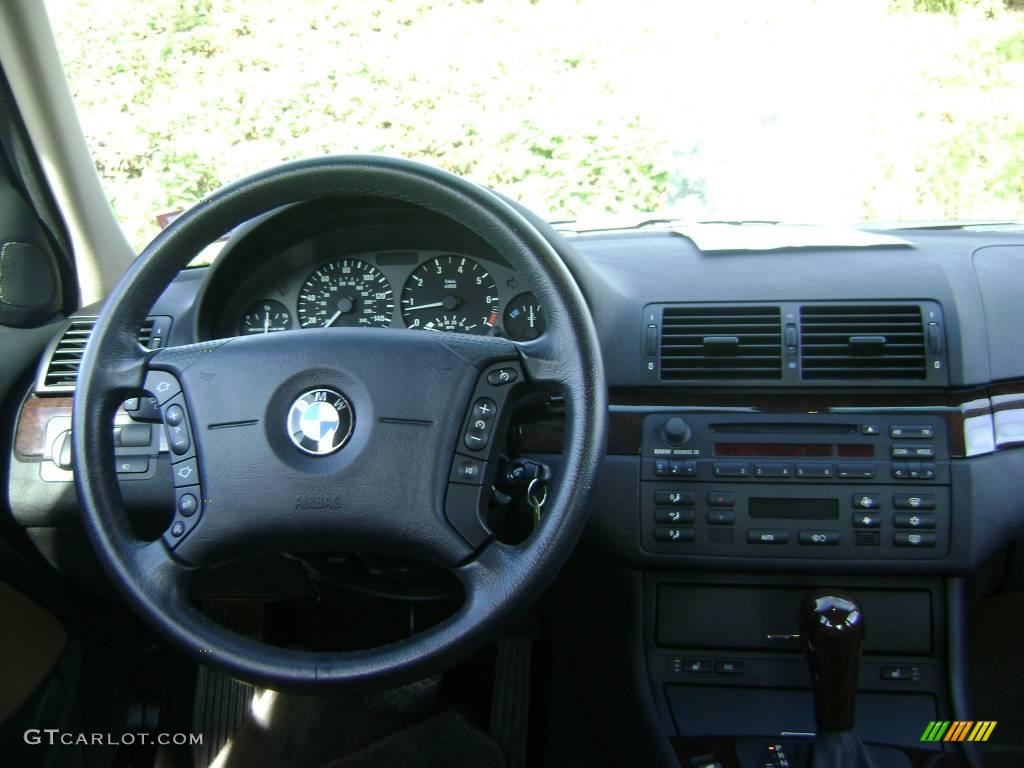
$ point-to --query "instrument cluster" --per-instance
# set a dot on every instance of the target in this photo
(426, 290)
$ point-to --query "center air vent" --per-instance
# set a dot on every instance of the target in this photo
(61, 369)
(721, 343)
(862, 342)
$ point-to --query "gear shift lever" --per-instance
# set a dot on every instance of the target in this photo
(832, 630)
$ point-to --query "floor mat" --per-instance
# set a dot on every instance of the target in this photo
(446, 740)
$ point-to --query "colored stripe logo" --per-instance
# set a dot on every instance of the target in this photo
(958, 730)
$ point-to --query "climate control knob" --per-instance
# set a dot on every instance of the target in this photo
(676, 431)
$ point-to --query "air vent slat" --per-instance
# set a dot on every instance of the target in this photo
(833, 343)
(62, 367)
(726, 343)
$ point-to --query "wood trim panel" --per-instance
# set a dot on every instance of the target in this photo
(32, 420)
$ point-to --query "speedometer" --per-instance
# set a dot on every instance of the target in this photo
(346, 292)
(451, 293)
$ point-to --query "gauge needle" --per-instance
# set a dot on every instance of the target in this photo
(531, 315)
(266, 322)
(334, 317)
(435, 305)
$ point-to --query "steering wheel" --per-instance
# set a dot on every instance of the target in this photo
(379, 440)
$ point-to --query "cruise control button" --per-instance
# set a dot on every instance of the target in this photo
(766, 536)
(502, 376)
(924, 520)
(674, 498)
(819, 538)
(475, 440)
(913, 501)
(187, 505)
(174, 416)
(867, 501)
(907, 539)
(672, 534)
(673, 515)
(466, 469)
(177, 438)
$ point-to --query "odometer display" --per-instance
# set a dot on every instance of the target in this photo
(450, 293)
(346, 292)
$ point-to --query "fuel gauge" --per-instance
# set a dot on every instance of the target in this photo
(265, 317)
(524, 318)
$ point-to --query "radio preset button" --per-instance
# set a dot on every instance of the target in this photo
(913, 501)
(732, 469)
(773, 470)
(819, 538)
(767, 536)
(721, 517)
(867, 501)
(866, 519)
(921, 520)
(814, 470)
(673, 515)
(673, 534)
(908, 539)
(857, 471)
(675, 498)
(914, 432)
(721, 499)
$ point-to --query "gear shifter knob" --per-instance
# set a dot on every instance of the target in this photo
(832, 630)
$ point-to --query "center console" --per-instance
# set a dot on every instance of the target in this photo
(863, 486)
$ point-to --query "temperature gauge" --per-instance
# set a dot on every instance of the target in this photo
(265, 317)
(524, 318)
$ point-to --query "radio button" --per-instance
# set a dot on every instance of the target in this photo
(673, 515)
(866, 519)
(900, 470)
(814, 470)
(857, 471)
(922, 520)
(767, 536)
(870, 429)
(908, 539)
(773, 470)
(674, 498)
(916, 432)
(662, 467)
(913, 452)
(867, 501)
(819, 538)
(672, 534)
(721, 498)
(721, 517)
(732, 469)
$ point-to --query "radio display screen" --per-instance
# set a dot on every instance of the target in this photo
(793, 509)
(796, 450)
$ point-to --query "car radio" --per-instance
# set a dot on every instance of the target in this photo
(795, 485)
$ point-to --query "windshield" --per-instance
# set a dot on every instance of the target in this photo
(799, 111)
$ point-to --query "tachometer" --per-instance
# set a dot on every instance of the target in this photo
(450, 293)
(265, 317)
(346, 292)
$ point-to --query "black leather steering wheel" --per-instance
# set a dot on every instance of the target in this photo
(349, 439)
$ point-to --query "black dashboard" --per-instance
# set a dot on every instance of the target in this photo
(782, 356)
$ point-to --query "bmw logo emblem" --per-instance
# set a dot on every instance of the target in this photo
(320, 421)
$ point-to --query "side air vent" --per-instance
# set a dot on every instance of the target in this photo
(862, 343)
(61, 368)
(720, 343)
